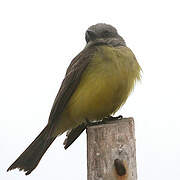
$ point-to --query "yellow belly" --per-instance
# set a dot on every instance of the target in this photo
(104, 86)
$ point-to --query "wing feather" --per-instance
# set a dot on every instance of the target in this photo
(70, 82)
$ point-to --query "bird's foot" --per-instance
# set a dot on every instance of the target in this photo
(111, 118)
(93, 123)
(103, 121)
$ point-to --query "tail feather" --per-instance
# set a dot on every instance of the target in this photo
(73, 134)
(30, 158)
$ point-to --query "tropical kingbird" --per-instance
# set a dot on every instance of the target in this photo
(97, 83)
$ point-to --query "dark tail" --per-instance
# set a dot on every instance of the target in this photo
(30, 158)
(73, 134)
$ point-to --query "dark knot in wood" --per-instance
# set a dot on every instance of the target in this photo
(120, 168)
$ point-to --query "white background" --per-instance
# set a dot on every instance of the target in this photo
(38, 39)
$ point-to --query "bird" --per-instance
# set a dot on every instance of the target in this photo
(97, 83)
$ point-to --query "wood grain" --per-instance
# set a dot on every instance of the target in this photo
(107, 143)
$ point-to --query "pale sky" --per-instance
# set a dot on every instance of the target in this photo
(38, 39)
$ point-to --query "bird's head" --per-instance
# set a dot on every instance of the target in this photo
(103, 34)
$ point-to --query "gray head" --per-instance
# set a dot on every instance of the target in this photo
(104, 34)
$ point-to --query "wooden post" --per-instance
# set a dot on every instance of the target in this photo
(111, 152)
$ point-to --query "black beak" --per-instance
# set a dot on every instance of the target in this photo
(90, 35)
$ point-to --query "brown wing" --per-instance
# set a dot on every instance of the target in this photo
(70, 82)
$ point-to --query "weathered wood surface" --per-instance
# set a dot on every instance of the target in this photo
(110, 145)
